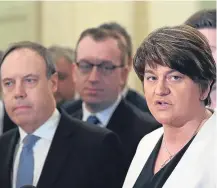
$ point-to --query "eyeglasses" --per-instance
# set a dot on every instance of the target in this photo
(105, 67)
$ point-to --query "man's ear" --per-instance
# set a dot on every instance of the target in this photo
(130, 63)
(124, 76)
(74, 67)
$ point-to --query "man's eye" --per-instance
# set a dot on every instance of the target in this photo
(61, 76)
(108, 67)
(8, 84)
(30, 80)
(84, 65)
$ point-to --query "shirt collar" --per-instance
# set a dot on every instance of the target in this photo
(125, 91)
(46, 130)
(104, 115)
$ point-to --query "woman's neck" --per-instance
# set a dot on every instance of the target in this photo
(176, 137)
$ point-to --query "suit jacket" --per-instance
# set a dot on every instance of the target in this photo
(136, 99)
(196, 167)
(128, 122)
(80, 156)
(8, 124)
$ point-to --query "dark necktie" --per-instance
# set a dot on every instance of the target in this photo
(93, 120)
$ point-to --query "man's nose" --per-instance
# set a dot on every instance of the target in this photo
(20, 91)
(94, 75)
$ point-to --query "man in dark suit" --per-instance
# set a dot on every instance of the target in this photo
(63, 58)
(49, 148)
(130, 95)
(7, 124)
(99, 73)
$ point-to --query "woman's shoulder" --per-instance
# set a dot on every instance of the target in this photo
(152, 137)
(143, 151)
(148, 142)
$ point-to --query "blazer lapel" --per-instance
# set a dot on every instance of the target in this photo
(57, 154)
(78, 114)
(196, 161)
(7, 122)
(143, 152)
(116, 123)
(9, 156)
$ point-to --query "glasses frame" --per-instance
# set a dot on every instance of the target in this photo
(101, 67)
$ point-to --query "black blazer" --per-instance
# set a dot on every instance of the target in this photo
(8, 124)
(80, 156)
(136, 99)
(127, 121)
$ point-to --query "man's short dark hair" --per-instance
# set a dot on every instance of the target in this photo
(99, 35)
(38, 48)
(114, 26)
(181, 48)
(202, 19)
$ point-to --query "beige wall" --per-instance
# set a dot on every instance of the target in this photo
(18, 21)
(61, 22)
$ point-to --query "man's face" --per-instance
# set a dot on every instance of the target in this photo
(65, 90)
(210, 34)
(27, 92)
(96, 87)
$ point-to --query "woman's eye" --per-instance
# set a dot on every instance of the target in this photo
(175, 78)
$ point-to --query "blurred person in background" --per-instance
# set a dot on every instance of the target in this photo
(130, 95)
(63, 58)
(205, 22)
(178, 71)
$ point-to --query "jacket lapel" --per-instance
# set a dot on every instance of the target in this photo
(194, 167)
(7, 163)
(78, 114)
(116, 124)
(57, 154)
(143, 152)
(7, 122)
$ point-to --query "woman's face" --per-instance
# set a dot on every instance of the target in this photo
(173, 98)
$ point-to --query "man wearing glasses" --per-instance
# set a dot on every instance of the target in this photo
(99, 73)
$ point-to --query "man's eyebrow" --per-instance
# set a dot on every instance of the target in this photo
(31, 75)
(7, 79)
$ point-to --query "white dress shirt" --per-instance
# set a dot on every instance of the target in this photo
(40, 150)
(103, 116)
(125, 91)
